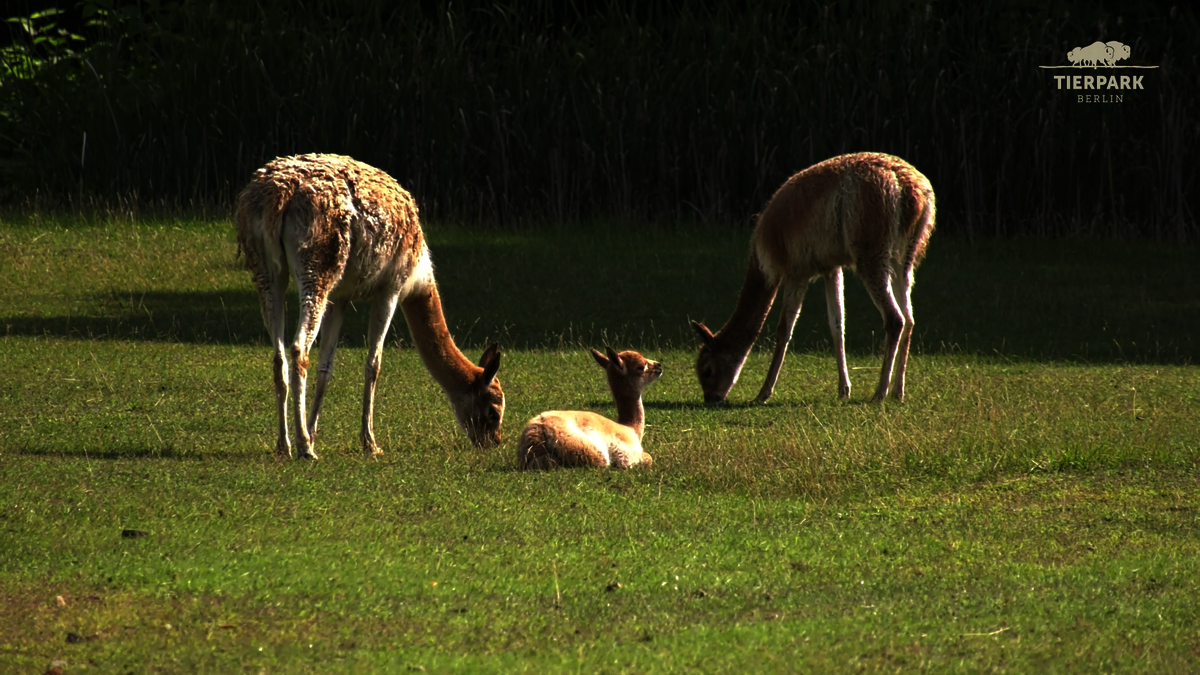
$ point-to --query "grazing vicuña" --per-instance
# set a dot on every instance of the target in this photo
(870, 212)
(578, 438)
(348, 231)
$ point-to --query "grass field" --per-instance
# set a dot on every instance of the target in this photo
(1033, 506)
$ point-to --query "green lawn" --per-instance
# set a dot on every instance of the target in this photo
(1033, 506)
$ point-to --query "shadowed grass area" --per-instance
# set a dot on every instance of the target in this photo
(1030, 507)
(1028, 299)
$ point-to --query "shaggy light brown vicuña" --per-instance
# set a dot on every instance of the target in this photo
(347, 231)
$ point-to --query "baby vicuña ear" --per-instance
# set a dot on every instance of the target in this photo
(600, 359)
(616, 361)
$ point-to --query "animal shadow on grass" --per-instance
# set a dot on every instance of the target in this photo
(117, 451)
(699, 406)
(223, 318)
(228, 317)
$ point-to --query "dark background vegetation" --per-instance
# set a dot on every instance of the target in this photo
(547, 111)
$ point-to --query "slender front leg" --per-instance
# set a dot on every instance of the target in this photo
(331, 329)
(793, 298)
(835, 306)
(879, 286)
(382, 311)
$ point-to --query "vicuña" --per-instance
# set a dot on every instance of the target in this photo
(577, 438)
(347, 231)
(870, 212)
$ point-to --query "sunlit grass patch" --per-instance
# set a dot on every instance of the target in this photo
(1024, 508)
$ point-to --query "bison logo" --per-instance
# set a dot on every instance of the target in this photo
(1120, 51)
(1098, 54)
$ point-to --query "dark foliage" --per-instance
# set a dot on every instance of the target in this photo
(551, 111)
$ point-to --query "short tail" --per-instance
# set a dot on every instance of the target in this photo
(259, 216)
(921, 217)
(925, 225)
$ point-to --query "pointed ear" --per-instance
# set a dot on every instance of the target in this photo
(490, 362)
(613, 358)
(705, 334)
(600, 359)
(490, 353)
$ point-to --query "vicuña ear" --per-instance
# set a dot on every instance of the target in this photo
(490, 362)
(618, 364)
(489, 354)
(705, 334)
(600, 359)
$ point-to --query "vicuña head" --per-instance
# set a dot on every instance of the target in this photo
(870, 212)
(347, 231)
(578, 438)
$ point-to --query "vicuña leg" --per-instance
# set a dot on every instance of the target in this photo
(835, 306)
(283, 444)
(331, 330)
(311, 311)
(316, 273)
(902, 290)
(272, 286)
(878, 282)
(382, 311)
(793, 299)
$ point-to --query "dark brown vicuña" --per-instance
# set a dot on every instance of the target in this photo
(870, 212)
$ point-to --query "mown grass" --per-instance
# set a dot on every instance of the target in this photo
(1031, 507)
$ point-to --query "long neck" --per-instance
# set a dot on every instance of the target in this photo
(753, 304)
(423, 311)
(630, 412)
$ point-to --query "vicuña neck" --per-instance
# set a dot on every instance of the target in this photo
(753, 304)
(423, 311)
(630, 413)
